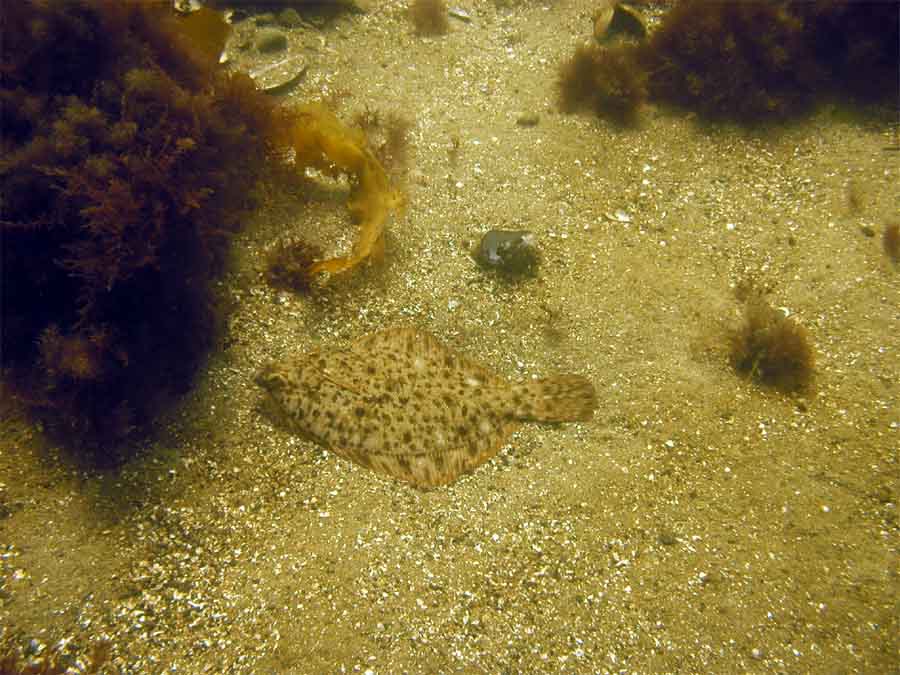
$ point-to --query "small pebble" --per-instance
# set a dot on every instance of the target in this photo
(667, 538)
(511, 252)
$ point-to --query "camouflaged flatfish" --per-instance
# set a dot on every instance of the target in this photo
(400, 403)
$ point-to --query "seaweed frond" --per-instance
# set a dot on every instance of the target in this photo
(322, 142)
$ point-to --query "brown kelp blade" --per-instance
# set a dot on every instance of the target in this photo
(320, 141)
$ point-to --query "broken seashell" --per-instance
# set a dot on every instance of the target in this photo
(281, 76)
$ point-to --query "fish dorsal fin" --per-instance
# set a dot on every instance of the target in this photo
(406, 344)
(401, 340)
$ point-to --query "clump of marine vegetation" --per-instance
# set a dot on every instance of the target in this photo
(129, 159)
(289, 263)
(387, 133)
(770, 347)
(429, 17)
(745, 61)
(292, 263)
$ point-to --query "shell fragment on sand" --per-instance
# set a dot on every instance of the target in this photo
(281, 76)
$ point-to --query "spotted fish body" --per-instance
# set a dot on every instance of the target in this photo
(400, 403)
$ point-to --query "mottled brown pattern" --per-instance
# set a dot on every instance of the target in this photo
(400, 403)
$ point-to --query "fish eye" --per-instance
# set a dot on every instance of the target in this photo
(270, 379)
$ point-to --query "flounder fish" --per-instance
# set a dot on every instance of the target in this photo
(400, 403)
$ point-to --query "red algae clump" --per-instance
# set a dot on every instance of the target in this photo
(746, 61)
(770, 347)
(128, 160)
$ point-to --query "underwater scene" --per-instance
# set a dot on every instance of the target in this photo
(480, 336)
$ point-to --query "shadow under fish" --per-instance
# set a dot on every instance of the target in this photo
(400, 403)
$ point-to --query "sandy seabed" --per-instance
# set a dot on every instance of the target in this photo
(699, 524)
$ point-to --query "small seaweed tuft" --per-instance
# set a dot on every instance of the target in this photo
(388, 136)
(769, 346)
(606, 80)
(576, 79)
(289, 264)
(429, 17)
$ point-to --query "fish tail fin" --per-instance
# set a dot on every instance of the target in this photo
(562, 398)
